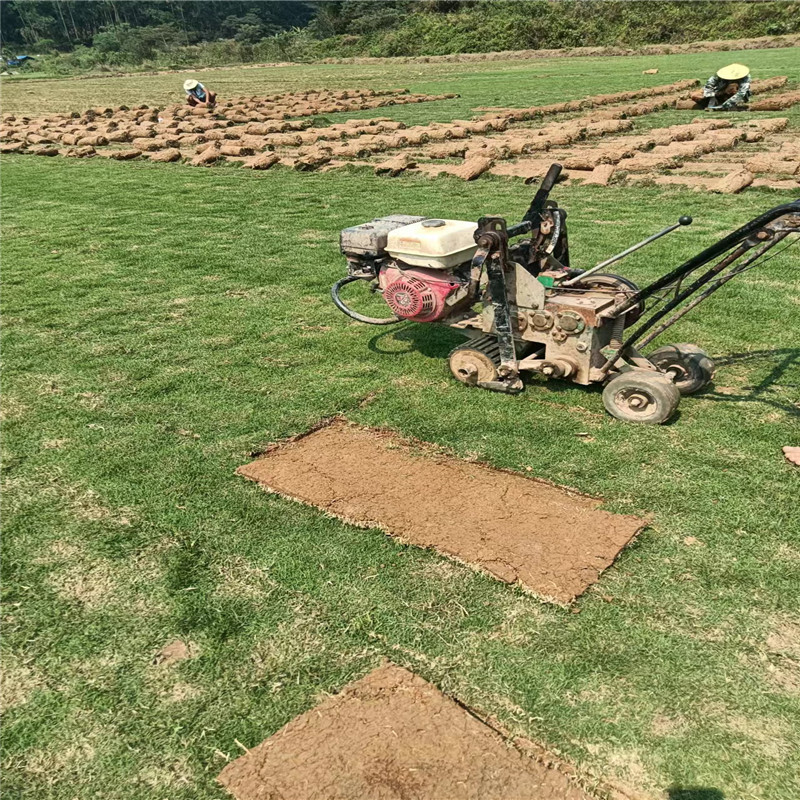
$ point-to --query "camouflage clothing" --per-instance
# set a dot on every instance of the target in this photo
(727, 94)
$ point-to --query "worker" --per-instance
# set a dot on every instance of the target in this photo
(198, 95)
(728, 90)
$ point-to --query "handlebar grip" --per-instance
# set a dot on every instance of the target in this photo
(540, 198)
(550, 179)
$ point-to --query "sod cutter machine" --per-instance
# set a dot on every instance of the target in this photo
(525, 309)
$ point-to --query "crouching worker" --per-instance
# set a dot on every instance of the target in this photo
(728, 90)
(198, 95)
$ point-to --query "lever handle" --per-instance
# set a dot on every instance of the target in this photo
(550, 179)
(540, 198)
(684, 220)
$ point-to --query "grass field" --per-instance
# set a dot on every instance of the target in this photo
(161, 323)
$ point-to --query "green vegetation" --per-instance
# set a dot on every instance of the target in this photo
(162, 323)
(439, 28)
(485, 83)
(69, 36)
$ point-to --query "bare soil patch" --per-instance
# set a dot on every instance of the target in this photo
(392, 735)
(552, 541)
(784, 638)
(173, 652)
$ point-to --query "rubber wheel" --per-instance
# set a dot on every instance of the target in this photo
(640, 396)
(603, 280)
(471, 366)
(689, 367)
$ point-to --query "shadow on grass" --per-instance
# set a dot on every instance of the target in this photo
(436, 341)
(694, 793)
(785, 359)
(432, 341)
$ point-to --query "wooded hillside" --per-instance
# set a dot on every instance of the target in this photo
(70, 35)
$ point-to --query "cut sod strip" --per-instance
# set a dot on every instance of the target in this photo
(392, 734)
(551, 541)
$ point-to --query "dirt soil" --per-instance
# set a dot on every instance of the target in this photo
(392, 735)
(553, 542)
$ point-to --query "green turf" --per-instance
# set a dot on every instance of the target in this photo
(162, 323)
(482, 83)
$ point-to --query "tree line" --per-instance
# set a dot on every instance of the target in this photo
(65, 24)
(70, 35)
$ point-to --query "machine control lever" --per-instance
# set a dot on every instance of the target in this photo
(632, 249)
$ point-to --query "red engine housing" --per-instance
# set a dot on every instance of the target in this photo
(418, 294)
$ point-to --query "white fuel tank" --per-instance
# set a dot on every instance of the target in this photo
(433, 243)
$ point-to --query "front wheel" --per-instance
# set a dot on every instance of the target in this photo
(689, 367)
(647, 397)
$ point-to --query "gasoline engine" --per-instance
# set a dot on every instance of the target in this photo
(523, 306)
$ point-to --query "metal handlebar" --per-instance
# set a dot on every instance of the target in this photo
(632, 249)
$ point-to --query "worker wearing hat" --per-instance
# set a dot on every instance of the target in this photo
(197, 94)
(728, 90)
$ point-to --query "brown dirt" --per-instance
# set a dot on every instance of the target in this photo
(451, 150)
(473, 167)
(773, 163)
(784, 638)
(646, 162)
(733, 183)
(392, 736)
(173, 652)
(262, 161)
(702, 165)
(209, 156)
(395, 166)
(777, 102)
(696, 182)
(215, 137)
(527, 168)
(145, 144)
(787, 185)
(552, 541)
(313, 159)
(120, 155)
(80, 152)
(600, 175)
(170, 154)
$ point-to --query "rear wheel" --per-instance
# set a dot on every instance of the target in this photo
(641, 396)
(689, 367)
(476, 361)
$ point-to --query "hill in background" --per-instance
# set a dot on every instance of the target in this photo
(69, 35)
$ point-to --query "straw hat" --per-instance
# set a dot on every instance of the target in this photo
(190, 83)
(733, 72)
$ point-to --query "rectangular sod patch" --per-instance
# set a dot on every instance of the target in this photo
(392, 735)
(550, 540)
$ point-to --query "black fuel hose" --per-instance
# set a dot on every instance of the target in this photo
(339, 303)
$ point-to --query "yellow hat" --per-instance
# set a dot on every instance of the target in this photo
(189, 84)
(733, 72)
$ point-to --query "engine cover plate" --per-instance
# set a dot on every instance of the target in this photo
(418, 294)
(369, 239)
